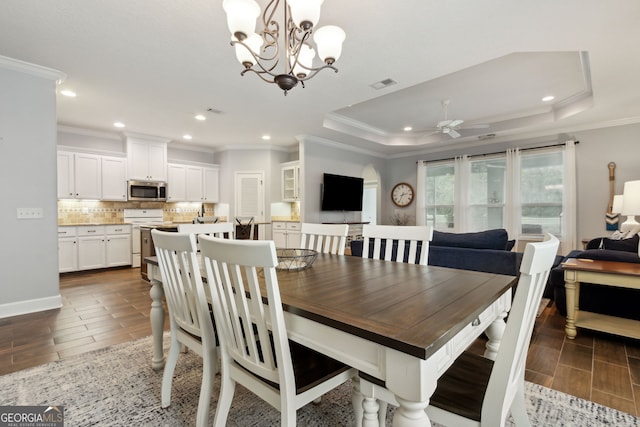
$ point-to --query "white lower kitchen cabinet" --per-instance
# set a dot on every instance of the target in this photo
(92, 247)
(286, 234)
(91, 244)
(67, 249)
(118, 245)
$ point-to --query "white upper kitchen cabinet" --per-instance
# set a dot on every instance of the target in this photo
(176, 183)
(147, 159)
(79, 176)
(194, 183)
(66, 175)
(114, 178)
(291, 181)
(211, 183)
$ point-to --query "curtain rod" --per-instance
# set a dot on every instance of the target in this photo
(562, 144)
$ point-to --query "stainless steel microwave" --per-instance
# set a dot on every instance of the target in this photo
(151, 191)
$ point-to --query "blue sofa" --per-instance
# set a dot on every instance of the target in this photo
(488, 251)
(613, 301)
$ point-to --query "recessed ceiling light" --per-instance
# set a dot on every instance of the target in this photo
(548, 98)
(201, 117)
(266, 137)
(187, 137)
(119, 124)
(408, 128)
(69, 93)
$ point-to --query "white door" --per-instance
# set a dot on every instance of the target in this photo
(249, 197)
(369, 204)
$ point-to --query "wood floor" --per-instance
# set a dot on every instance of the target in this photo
(112, 306)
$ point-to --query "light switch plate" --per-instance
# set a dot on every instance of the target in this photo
(29, 213)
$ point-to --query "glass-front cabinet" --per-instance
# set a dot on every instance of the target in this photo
(291, 181)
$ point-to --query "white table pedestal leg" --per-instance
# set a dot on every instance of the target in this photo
(157, 324)
(370, 408)
(494, 332)
(411, 414)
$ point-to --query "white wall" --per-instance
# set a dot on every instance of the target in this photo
(29, 249)
(253, 160)
(620, 144)
(318, 157)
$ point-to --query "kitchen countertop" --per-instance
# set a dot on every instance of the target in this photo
(284, 219)
(93, 224)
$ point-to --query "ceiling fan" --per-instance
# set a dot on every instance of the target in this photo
(450, 126)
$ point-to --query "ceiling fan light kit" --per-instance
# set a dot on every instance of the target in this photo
(262, 52)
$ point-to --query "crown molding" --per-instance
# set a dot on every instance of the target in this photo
(116, 136)
(32, 69)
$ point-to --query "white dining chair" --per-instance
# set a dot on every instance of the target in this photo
(255, 350)
(325, 238)
(218, 229)
(379, 239)
(189, 316)
(476, 391)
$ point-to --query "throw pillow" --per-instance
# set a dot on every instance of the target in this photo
(510, 244)
(490, 239)
(626, 245)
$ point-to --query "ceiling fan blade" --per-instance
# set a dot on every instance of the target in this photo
(453, 133)
(443, 123)
(477, 126)
(455, 123)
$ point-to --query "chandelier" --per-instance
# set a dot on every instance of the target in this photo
(262, 52)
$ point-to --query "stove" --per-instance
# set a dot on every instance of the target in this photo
(138, 217)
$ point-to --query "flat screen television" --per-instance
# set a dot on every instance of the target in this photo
(341, 193)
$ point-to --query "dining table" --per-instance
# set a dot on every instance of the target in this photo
(399, 323)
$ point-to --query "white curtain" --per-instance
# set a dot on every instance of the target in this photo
(513, 209)
(461, 194)
(421, 204)
(569, 214)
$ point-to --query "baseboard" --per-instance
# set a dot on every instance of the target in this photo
(30, 306)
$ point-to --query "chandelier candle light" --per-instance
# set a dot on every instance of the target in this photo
(262, 52)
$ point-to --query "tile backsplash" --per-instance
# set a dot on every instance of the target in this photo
(72, 212)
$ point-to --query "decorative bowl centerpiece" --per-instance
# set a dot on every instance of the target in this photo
(295, 259)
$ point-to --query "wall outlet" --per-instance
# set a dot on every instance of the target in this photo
(29, 213)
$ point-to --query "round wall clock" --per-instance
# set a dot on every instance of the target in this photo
(402, 194)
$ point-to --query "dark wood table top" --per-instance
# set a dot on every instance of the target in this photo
(599, 266)
(411, 308)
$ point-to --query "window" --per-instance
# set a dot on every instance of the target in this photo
(541, 192)
(528, 192)
(487, 178)
(440, 180)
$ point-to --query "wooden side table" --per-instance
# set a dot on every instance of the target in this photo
(606, 273)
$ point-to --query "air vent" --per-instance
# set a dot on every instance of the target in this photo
(383, 83)
(487, 136)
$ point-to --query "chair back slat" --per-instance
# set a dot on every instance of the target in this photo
(325, 238)
(507, 374)
(251, 333)
(218, 229)
(406, 238)
(182, 280)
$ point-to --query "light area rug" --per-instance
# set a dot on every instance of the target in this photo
(117, 387)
